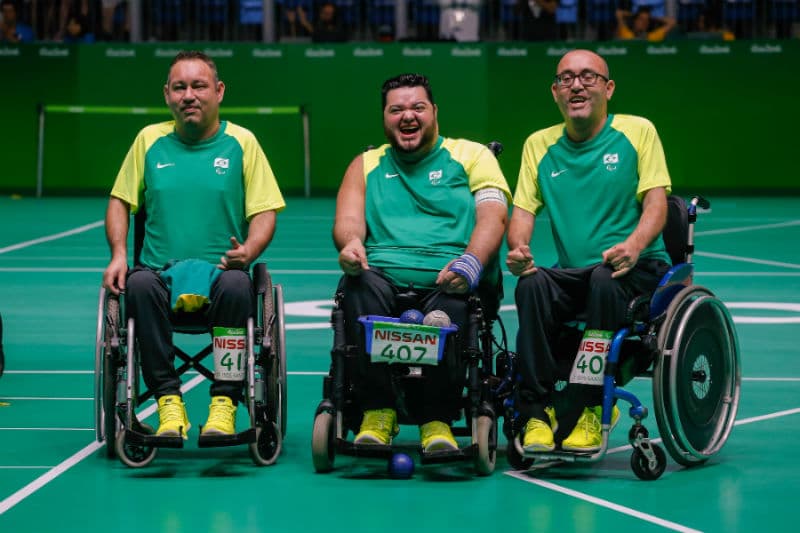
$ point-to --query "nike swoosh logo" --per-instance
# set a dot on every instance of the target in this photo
(391, 175)
(162, 165)
(556, 173)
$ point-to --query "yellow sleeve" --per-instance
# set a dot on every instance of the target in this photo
(480, 165)
(652, 161)
(129, 184)
(527, 195)
(260, 186)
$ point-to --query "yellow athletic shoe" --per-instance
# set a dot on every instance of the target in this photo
(587, 435)
(437, 437)
(538, 436)
(378, 427)
(221, 417)
(172, 419)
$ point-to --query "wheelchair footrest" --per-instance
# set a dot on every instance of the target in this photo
(154, 441)
(448, 456)
(564, 457)
(379, 451)
(216, 441)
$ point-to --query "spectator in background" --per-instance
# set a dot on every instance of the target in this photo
(642, 25)
(78, 30)
(11, 30)
(538, 20)
(296, 24)
(328, 26)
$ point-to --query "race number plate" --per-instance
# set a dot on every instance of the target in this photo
(390, 341)
(229, 353)
(590, 362)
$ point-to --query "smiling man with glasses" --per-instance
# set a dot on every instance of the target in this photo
(603, 178)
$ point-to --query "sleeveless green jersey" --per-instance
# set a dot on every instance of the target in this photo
(420, 215)
(593, 189)
(196, 195)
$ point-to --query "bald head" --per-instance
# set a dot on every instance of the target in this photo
(578, 60)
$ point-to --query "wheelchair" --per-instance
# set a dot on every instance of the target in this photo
(117, 376)
(482, 391)
(682, 337)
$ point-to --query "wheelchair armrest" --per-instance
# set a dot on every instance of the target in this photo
(638, 309)
(260, 278)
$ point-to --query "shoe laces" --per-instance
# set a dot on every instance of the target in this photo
(220, 412)
(380, 420)
(589, 422)
(170, 412)
(435, 429)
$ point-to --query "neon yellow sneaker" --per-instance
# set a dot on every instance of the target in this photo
(538, 435)
(172, 419)
(437, 437)
(377, 427)
(587, 435)
(221, 417)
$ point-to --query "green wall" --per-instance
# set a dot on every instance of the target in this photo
(721, 108)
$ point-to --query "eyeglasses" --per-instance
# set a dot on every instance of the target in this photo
(588, 78)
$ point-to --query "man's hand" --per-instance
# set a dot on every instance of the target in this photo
(114, 275)
(237, 258)
(520, 261)
(451, 283)
(622, 258)
(353, 258)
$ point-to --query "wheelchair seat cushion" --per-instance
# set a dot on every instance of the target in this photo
(189, 282)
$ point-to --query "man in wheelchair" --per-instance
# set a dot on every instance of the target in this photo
(211, 201)
(604, 180)
(422, 211)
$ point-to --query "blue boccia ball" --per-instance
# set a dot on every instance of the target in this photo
(412, 316)
(401, 466)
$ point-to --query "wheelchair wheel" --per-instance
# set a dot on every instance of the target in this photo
(641, 466)
(486, 439)
(267, 447)
(105, 371)
(133, 455)
(697, 376)
(322, 442)
(276, 374)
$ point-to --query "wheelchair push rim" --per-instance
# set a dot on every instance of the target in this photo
(697, 378)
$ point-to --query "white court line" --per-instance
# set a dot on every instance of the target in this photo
(626, 510)
(748, 228)
(65, 465)
(747, 260)
(602, 503)
(53, 398)
(25, 244)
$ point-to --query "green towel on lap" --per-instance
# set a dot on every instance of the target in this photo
(189, 282)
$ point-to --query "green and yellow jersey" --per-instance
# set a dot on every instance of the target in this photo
(196, 195)
(593, 190)
(420, 215)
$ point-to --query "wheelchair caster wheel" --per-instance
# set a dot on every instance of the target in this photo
(133, 455)
(515, 457)
(641, 466)
(322, 448)
(487, 456)
(267, 447)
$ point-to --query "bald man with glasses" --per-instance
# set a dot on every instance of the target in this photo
(603, 179)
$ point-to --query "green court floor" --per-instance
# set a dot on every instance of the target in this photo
(54, 477)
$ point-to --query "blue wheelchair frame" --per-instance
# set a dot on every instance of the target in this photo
(691, 439)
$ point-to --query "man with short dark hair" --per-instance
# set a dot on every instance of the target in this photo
(424, 211)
